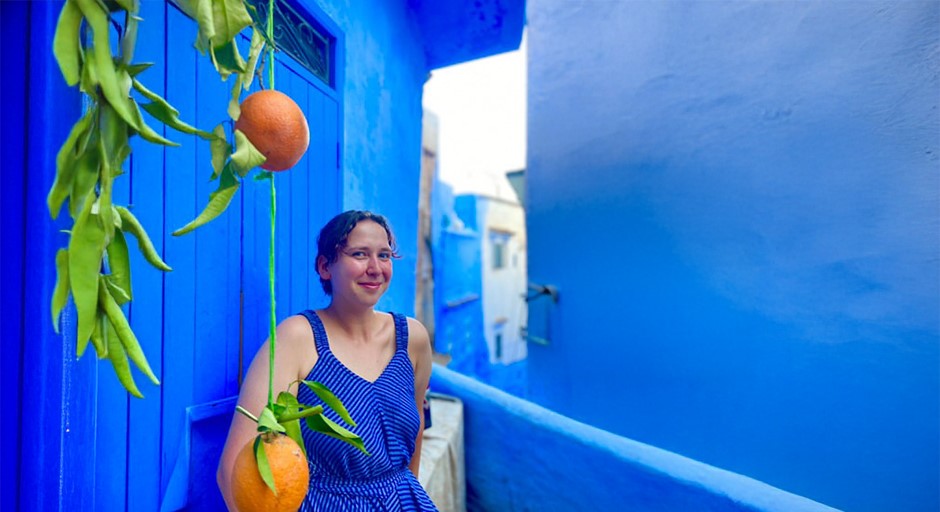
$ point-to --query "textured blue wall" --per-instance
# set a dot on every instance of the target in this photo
(520, 456)
(383, 75)
(739, 203)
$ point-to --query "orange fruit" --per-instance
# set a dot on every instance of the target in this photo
(288, 467)
(276, 126)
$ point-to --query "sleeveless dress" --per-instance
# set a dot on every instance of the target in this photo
(342, 478)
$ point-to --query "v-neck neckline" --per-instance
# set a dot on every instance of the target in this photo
(326, 342)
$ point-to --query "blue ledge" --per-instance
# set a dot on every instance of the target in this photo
(521, 456)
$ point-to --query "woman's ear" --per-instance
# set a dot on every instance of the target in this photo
(323, 268)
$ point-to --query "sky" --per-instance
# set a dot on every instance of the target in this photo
(481, 110)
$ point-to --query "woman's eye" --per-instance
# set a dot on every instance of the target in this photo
(358, 254)
(385, 256)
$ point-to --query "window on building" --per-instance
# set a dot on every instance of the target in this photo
(499, 240)
(499, 255)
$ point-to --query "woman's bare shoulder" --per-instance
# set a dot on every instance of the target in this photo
(295, 338)
(419, 341)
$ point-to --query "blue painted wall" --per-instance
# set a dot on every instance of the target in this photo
(383, 77)
(458, 286)
(390, 49)
(90, 446)
(739, 202)
(568, 465)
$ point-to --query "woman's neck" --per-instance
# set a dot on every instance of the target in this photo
(357, 323)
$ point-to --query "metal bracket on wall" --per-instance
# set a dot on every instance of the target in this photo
(536, 291)
(542, 289)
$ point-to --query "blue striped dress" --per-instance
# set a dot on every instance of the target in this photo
(342, 478)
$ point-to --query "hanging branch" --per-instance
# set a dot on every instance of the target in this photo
(94, 268)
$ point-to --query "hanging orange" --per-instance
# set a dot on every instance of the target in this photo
(288, 467)
(276, 126)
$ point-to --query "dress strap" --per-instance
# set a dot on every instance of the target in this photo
(319, 332)
(401, 332)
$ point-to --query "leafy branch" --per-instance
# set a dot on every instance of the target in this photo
(94, 268)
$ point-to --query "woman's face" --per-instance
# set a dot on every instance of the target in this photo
(363, 267)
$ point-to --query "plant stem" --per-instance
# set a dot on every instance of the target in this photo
(273, 335)
(313, 411)
(271, 45)
(129, 41)
(246, 413)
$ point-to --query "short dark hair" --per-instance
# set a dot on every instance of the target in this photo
(333, 236)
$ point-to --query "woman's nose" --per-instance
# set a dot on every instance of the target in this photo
(373, 267)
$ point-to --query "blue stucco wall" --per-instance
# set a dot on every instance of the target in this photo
(520, 456)
(383, 76)
(739, 204)
(390, 48)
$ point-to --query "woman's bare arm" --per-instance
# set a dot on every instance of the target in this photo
(292, 355)
(419, 350)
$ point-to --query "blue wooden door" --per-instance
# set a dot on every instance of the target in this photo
(201, 324)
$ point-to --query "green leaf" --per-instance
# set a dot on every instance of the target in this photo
(146, 132)
(292, 430)
(99, 338)
(112, 145)
(187, 6)
(221, 150)
(118, 357)
(135, 69)
(122, 329)
(227, 59)
(66, 45)
(254, 53)
(113, 131)
(229, 17)
(119, 295)
(119, 265)
(86, 251)
(234, 108)
(218, 202)
(201, 11)
(165, 113)
(112, 86)
(267, 422)
(60, 295)
(330, 400)
(131, 225)
(66, 164)
(264, 175)
(263, 467)
(326, 426)
(89, 79)
(289, 403)
(87, 166)
(246, 157)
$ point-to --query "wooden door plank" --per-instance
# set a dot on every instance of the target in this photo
(218, 251)
(144, 436)
(298, 267)
(182, 204)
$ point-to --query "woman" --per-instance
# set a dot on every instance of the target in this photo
(378, 364)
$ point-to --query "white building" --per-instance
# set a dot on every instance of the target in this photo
(500, 222)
